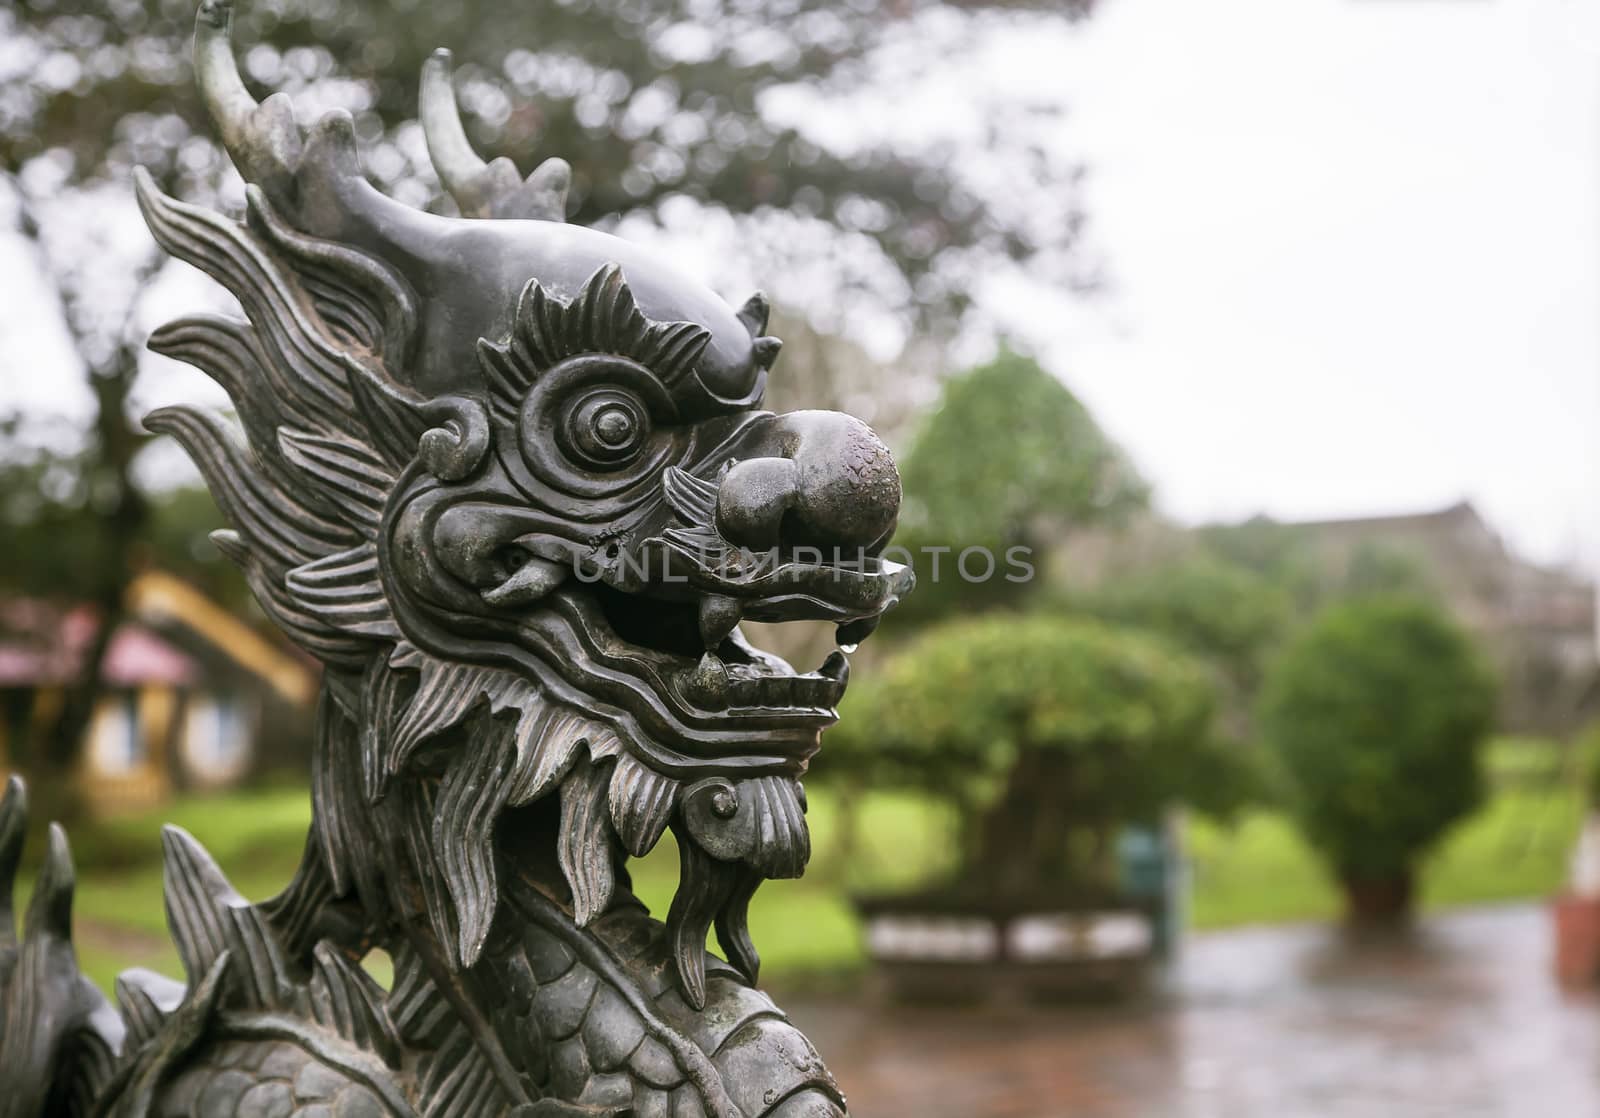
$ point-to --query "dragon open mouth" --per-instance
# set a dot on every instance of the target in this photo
(715, 664)
(676, 599)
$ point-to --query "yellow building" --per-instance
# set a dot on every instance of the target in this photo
(190, 696)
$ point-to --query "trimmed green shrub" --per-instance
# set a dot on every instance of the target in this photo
(1380, 711)
(1047, 734)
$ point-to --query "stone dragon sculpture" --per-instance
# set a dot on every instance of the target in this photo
(508, 480)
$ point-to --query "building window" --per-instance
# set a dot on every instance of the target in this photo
(119, 745)
(216, 736)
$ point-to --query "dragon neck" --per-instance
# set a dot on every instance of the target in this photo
(587, 1015)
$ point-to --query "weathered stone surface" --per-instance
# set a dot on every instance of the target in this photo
(686, 1103)
(611, 1031)
(563, 1004)
(569, 1068)
(269, 1099)
(549, 957)
(223, 1093)
(653, 1064)
(611, 1090)
(315, 1082)
(650, 1102)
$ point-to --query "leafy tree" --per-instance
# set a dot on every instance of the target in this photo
(1008, 463)
(1222, 612)
(1260, 544)
(1379, 711)
(1378, 569)
(1287, 557)
(96, 479)
(53, 515)
(1047, 735)
(650, 100)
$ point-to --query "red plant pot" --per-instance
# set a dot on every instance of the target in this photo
(1577, 929)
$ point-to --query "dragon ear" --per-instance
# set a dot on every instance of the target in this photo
(326, 325)
(754, 314)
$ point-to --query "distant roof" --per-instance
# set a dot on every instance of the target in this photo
(43, 645)
(1461, 510)
(168, 639)
(163, 600)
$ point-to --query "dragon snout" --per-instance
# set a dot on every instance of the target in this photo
(810, 479)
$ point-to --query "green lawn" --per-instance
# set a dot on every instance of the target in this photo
(800, 926)
(1260, 871)
(1256, 871)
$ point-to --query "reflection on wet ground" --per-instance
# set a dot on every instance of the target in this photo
(1460, 1020)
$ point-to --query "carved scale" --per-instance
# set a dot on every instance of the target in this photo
(508, 480)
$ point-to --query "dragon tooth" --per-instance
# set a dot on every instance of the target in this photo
(708, 683)
(530, 582)
(818, 693)
(746, 691)
(780, 691)
(836, 667)
(852, 633)
(719, 616)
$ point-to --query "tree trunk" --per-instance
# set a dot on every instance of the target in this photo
(123, 525)
(124, 518)
(1379, 902)
(1037, 840)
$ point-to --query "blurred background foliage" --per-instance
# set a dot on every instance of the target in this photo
(998, 730)
(1007, 465)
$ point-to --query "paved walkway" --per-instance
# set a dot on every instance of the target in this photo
(1461, 1021)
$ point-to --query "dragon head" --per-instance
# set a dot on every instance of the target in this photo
(510, 481)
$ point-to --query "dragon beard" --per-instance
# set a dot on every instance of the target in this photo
(492, 744)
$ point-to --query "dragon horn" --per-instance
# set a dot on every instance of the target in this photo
(312, 176)
(482, 189)
(262, 139)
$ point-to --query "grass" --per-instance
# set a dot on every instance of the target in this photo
(801, 926)
(1261, 871)
(1257, 871)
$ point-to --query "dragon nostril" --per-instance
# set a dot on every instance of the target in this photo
(753, 500)
(825, 481)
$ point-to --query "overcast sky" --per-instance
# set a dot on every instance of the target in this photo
(1355, 247)
(1357, 253)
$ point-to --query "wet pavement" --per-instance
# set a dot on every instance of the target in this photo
(1461, 1020)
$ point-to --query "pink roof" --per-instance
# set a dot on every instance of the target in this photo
(40, 645)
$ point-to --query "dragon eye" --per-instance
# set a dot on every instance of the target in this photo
(606, 429)
(599, 425)
(613, 426)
